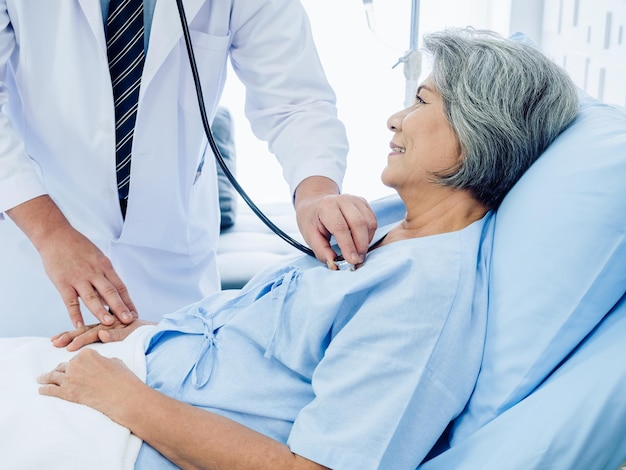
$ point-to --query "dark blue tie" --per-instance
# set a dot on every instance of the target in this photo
(125, 48)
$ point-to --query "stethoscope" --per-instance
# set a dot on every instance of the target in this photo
(215, 149)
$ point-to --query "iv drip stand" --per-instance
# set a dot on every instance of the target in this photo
(412, 59)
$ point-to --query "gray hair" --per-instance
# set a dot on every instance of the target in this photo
(506, 102)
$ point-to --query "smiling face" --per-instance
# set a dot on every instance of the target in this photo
(423, 144)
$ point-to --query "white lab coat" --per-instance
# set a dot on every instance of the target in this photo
(57, 132)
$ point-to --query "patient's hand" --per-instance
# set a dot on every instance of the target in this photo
(96, 333)
(93, 380)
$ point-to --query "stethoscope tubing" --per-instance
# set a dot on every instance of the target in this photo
(215, 149)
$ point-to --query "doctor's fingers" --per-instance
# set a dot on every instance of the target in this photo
(353, 224)
(318, 241)
(97, 294)
(90, 298)
(115, 294)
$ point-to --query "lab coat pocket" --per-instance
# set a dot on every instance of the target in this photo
(210, 52)
(204, 214)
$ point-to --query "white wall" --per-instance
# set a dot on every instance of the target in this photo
(526, 16)
(588, 38)
(358, 64)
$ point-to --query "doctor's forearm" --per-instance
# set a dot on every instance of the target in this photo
(38, 218)
(314, 186)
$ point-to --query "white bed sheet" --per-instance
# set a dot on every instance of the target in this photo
(46, 432)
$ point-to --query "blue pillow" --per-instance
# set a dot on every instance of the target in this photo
(558, 264)
(574, 420)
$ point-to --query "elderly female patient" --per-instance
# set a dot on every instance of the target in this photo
(308, 367)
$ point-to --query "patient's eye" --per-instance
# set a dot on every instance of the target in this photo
(419, 100)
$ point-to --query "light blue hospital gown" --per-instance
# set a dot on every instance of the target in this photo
(351, 369)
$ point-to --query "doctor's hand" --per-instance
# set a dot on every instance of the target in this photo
(321, 212)
(76, 267)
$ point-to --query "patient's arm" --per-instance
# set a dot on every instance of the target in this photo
(188, 436)
(96, 333)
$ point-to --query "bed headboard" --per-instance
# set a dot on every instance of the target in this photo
(588, 38)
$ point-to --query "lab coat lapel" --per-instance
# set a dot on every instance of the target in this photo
(165, 34)
(93, 12)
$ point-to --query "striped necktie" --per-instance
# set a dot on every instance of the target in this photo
(125, 48)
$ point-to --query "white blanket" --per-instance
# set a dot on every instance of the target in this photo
(46, 432)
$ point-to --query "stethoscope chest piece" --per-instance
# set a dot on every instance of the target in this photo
(344, 265)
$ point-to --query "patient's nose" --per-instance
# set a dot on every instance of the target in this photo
(394, 122)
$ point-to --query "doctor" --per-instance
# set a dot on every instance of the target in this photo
(58, 179)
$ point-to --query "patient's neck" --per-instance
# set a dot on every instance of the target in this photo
(455, 211)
